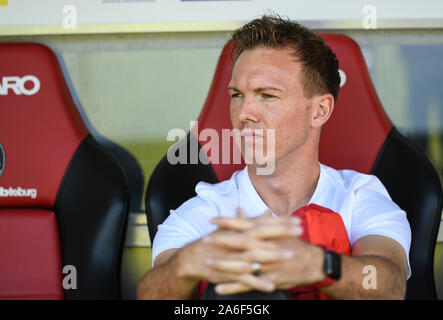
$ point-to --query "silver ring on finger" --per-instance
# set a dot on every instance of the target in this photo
(256, 268)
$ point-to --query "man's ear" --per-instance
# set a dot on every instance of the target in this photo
(323, 107)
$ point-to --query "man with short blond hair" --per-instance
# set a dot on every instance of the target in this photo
(247, 233)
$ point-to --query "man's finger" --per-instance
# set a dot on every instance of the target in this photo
(229, 266)
(232, 288)
(266, 255)
(246, 283)
(276, 231)
(267, 220)
(235, 240)
(238, 224)
(242, 224)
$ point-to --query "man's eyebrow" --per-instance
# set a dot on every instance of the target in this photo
(259, 89)
(233, 88)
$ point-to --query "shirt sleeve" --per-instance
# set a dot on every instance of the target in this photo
(184, 225)
(374, 213)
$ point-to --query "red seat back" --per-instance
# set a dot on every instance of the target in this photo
(49, 216)
(39, 132)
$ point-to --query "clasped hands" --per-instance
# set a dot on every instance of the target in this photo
(263, 253)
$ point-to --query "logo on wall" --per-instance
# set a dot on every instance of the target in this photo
(2, 160)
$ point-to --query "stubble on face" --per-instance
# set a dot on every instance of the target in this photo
(257, 74)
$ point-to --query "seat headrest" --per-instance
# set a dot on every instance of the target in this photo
(40, 127)
(358, 127)
(353, 136)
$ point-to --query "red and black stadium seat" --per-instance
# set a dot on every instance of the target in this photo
(63, 197)
(358, 136)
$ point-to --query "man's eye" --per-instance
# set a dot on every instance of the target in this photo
(236, 95)
(268, 96)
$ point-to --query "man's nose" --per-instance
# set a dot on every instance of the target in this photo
(248, 110)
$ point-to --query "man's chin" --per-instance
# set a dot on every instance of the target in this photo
(262, 166)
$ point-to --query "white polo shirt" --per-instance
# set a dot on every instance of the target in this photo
(361, 200)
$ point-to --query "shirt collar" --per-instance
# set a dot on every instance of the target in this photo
(246, 187)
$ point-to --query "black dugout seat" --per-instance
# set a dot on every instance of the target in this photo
(358, 136)
(128, 163)
(63, 197)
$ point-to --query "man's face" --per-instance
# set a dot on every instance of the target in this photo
(266, 93)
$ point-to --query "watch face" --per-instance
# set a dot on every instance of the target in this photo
(333, 265)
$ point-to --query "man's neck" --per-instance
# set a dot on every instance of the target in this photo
(287, 190)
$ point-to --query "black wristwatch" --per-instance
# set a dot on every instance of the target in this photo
(332, 266)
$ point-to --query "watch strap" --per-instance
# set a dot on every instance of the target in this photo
(331, 268)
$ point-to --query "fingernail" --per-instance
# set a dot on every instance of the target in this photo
(219, 290)
(288, 254)
(269, 287)
(209, 262)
